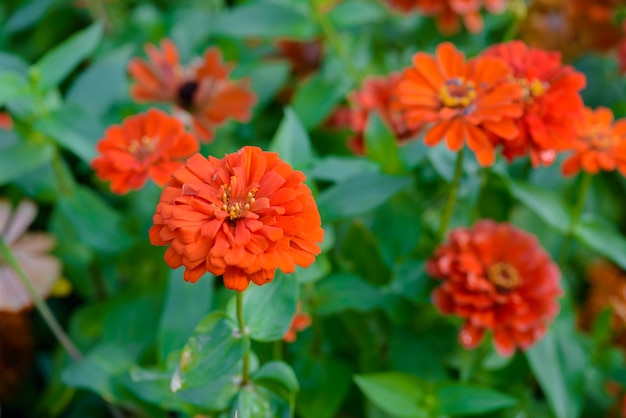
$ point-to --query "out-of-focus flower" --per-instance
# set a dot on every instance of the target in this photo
(304, 57)
(203, 94)
(600, 144)
(376, 95)
(463, 101)
(151, 144)
(16, 351)
(242, 217)
(498, 278)
(607, 289)
(621, 50)
(299, 323)
(6, 122)
(552, 102)
(31, 251)
(450, 13)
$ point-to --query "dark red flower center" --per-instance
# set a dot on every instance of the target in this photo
(504, 276)
(142, 149)
(457, 93)
(186, 93)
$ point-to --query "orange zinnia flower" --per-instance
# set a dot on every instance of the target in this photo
(600, 144)
(242, 217)
(300, 322)
(496, 277)
(552, 102)
(32, 253)
(448, 12)
(6, 122)
(151, 144)
(203, 94)
(464, 101)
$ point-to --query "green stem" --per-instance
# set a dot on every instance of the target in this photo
(278, 350)
(246, 357)
(585, 185)
(62, 176)
(454, 188)
(41, 306)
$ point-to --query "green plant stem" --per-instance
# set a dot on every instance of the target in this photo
(246, 357)
(65, 181)
(41, 306)
(454, 188)
(278, 350)
(583, 191)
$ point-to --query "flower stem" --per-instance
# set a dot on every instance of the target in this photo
(41, 306)
(246, 357)
(454, 187)
(583, 191)
(278, 350)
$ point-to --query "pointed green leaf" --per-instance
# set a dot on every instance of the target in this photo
(279, 377)
(381, 146)
(342, 291)
(292, 142)
(603, 238)
(22, 157)
(544, 203)
(470, 400)
(317, 97)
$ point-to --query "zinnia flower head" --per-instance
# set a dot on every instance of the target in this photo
(202, 93)
(241, 217)
(151, 144)
(299, 323)
(304, 57)
(497, 278)
(450, 13)
(552, 102)
(600, 144)
(32, 253)
(463, 101)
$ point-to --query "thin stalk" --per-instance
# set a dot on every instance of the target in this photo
(41, 306)
(278, 350)
(585, 185)
(454, 188)
(65, 181)
(246, 357)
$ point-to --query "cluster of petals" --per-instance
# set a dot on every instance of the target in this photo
(600, 144)
(241, 217)
(203, 94)
(147, 145)
(450, 13)
(497, 278)
(377, 95)
(607, 288)
(552, 102)
(32, 252)
(300, 322)
(472, 101)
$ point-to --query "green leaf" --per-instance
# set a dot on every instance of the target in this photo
(12, 86)
(397, 227)
(470, 400)
(316, 271)
(338, 169)
(292, 142)
(603, 238)
(324, 383)
(398, 394)
(27, 15)
(381, 146)
(59, 62)
(317, 97)
(341, 291)
(544, 203)
(12, 63)
(185, 305)
(358, 195)
(279, 377)
(356, 13)
(267, 79)
(23, 157)
(258, 402)
(215, 348)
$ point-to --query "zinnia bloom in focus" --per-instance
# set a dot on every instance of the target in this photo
(600, 144)
(497, 278)
(299, 323)
(463, 101)
(241, 217)
(203, 94)
(150, 144)
(449, 13)
(31, 251)
(552, 102)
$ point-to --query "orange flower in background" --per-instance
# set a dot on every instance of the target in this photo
(31, 251)
(552, 102)
(203, 95)
(376, 95)
(304, 57)
(450, 13)
(497, 278)
(6, 122)
(151, 144)
(242, 217)
(463, 101)
(600, 144)
(299, 323)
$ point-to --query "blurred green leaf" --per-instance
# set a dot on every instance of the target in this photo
(57, 64)
(279, 377)
(355, 13)
(324, 383)
(409, 280)
(12, 63)
(603, 238)
(315, 99)
(338, 169)
(381, 146)
(255, 401)
(27, 15)
(544, 203)
(12, 86)
(316, 271)
(470, 400)
(267, 80)
(20, 158)
(341, 291)
(292, 142)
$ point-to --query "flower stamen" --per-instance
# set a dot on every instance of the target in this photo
(457, 93)
(504, 276)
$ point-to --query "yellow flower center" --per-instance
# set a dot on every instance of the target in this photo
(601, 138)
(531, 89)
(142, 148)
(457, 93)
(504, 276)
(236, 206)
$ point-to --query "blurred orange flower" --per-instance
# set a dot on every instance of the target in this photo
(242, 217)
(300, 322)
(498, 278)
(151, 144)
(203, 95)
(464, 101)
(552, 102)
(305, 57)
(600, 144)
(31, 251)
(449, 13)
(6, 122)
